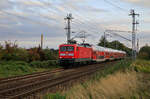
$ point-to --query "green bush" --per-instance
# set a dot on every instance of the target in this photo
(18, 54)
(44, 64)
(50, 54)
(144, 53)
(11, 51)
(141, 66)
(9, 68)
(1, 51)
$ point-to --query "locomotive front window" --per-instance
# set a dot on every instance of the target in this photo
(66, 48)
(62, 49)
(70, 48)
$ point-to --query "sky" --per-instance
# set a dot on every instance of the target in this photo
(25, 20)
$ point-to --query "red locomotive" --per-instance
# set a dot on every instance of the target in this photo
(70, 54)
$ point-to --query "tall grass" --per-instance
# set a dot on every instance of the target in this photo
(116, 86)
(123, 83)
(120, 66)
(104, 85)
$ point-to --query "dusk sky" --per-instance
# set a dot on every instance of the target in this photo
(26, 20)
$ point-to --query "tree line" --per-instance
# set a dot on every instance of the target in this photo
(11, 51)
(144, 52)
(114, 45)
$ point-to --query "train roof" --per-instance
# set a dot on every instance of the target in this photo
(100, 48)
(81, 45)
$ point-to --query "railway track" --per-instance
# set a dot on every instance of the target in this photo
(18, 80)
(31, 86)
(8, 79)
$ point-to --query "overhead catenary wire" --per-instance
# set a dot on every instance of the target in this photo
(114, 5)
(83, 18)
(90, 26)
(92, 29)
(93, 26)
(78, 23)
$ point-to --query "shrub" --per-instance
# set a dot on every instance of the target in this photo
(34, 54)
(141, 66)
(1, 51)
(44, 64)
(47, 54)
(11, 51)
(37, 64)
(50, 54)
(18, 55)
(9, 68)
(144, 53)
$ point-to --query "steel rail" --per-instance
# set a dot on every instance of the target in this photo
(9, 79)
(18, 91)
(27, 78)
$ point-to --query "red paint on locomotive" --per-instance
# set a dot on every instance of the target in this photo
(76, 53)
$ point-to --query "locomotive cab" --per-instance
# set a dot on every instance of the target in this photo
(67, 54)
(70, 54)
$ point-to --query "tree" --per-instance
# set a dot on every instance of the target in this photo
(103, 41)
(144, 52)
(114, 45)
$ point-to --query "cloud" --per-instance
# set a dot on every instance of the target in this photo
(5, 4)
(25, 20)
(144, 3)
(51, 42)
(31, 3)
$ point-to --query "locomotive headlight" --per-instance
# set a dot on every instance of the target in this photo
(71, 54)
(62, 54)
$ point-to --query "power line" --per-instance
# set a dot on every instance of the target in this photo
(83, 18)
(78, 15)
(81, 23)
(94, 26)
(114, 5)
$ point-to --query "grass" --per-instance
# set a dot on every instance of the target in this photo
(81, 91)
(124, 80)
(141, 66)
(120, 66)
(116, 86)
(14, 68)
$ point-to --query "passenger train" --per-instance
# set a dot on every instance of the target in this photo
(70, 54)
